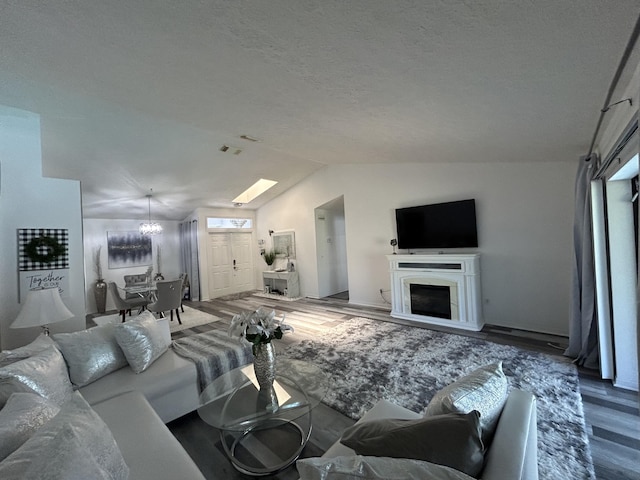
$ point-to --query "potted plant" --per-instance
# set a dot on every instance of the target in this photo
(270, 256)
(259, 328)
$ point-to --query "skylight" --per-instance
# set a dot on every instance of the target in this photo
(254, 191)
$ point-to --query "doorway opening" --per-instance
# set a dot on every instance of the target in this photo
(331, 250)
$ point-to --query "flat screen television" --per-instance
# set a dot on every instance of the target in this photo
(439, 225)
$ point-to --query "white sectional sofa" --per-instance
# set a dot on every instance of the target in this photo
(170, 384)
(148, 447)
(135, 408)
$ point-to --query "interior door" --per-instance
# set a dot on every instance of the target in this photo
(230, 263)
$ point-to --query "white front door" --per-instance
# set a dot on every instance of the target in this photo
(241, 262)
(230, 263)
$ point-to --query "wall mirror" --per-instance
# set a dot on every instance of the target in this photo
(284, 242)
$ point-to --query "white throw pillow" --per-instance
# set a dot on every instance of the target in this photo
(91, 354)
(75, 424)
(356, 467)
(142, 340)
(20, 418)
(44, 373)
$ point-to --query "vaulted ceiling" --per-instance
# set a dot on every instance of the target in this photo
(143, 94)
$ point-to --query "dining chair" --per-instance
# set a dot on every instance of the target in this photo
(169, 297)
(185, 289)
(137, 279)
(125, 305)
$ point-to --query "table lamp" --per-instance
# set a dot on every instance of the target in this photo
(42, 308)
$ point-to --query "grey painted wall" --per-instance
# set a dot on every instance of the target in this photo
(525, 216)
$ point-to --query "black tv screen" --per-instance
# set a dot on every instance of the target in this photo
(440, 225)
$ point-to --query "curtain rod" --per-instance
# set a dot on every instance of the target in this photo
(614, 82)
(626, 137)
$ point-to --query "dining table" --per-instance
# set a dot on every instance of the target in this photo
(143, 290)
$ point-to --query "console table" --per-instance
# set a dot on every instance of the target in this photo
(440, 289)
(282, 283)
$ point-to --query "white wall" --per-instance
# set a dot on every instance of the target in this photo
(29, 201)
(524, 211)
(95, 234)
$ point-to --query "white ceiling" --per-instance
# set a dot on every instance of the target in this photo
(142, 94)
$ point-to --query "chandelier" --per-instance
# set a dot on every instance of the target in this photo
(150, 228)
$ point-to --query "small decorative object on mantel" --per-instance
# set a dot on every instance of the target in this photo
(259, 328)
(100, 287)
(394, 244)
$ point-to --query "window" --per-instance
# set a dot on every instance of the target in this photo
(235, 223)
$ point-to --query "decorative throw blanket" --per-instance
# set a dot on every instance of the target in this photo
(214, 354)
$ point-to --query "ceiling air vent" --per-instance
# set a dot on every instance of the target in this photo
(250, 138)
(230, 149)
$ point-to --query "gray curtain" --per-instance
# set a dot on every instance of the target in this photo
(189, 256)
(583, 324)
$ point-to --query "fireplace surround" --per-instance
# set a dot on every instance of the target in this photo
(440, 289)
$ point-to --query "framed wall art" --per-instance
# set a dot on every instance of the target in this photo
(43, 249)
(128, 249)
(284, 243)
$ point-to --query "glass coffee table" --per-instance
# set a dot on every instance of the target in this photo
(259, 438)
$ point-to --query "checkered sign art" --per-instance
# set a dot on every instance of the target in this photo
(43, 249)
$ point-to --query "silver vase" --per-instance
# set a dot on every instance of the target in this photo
(100, 292)
(264, 366)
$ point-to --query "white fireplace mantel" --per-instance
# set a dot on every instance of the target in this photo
(458, 275)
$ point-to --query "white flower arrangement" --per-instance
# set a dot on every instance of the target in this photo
(258, 327)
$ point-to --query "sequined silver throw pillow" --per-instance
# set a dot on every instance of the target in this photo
(91, 354)
(142, 341)
(484, 390)
(44, 373)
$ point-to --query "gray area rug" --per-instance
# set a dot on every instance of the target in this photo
(370, 360)
(190, 318)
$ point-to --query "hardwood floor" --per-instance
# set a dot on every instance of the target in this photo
(611, 414)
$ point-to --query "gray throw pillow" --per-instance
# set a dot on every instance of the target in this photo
(356, 467)
(485, 390)
(44, 373)
(76, 423)
(41, 343)
(20, 418)
(142, 341)
(91, 354)
(452, 440)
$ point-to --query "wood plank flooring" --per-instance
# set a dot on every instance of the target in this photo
(611, 414)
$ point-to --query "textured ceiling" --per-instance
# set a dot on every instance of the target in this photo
(142, 94)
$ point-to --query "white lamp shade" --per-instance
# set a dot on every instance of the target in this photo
(41, 308)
